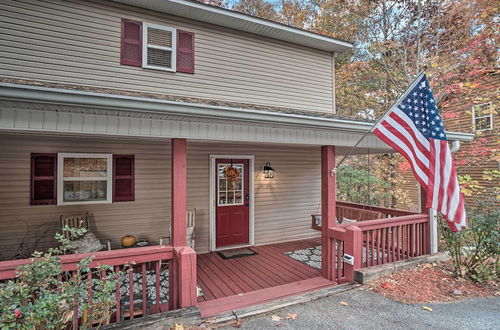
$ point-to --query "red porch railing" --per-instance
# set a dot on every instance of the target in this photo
(377, 242)
(154, 271)
(386, 212)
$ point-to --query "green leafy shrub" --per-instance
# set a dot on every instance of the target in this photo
(43, 296)
(475, 251)
(359, 186)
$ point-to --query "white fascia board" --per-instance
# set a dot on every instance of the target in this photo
(149, 105)
(242, 22)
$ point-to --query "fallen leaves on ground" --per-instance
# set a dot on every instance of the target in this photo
(277, 318)
(429, 283)
(343, 303)
(425, 308)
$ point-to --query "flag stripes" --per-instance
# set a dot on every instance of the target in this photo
(414, 128)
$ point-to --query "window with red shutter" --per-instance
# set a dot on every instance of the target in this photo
(185, 51)
(123, 178)
(131, 43)
(43, 179)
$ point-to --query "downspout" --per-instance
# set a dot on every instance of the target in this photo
(334, 98)
(455, 146)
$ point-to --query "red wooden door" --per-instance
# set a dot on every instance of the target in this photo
(232, 203)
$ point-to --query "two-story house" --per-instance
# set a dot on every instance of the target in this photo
(140, 112)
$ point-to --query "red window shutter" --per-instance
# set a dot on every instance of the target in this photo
(185, 51)
(123, 178)
(131, 43)
(43, 179)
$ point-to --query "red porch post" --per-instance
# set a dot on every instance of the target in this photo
(178, 192)
(186, 267)
(178, 195)
(328, 193)
(353, 245)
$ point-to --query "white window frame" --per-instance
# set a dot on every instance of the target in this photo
(61, 178)
(145, 47)
(490, 115)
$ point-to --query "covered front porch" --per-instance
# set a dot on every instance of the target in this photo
(176, 150)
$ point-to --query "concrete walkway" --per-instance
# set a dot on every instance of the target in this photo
(369, 310)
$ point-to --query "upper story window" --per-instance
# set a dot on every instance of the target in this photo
(482, 117)
(157, 47)
(159, 43)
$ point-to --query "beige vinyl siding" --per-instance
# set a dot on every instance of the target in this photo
(78, 42)
(282, 205)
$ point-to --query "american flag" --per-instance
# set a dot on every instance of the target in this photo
(414, 128)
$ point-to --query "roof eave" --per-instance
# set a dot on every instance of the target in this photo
(146, 105)
(242, 22)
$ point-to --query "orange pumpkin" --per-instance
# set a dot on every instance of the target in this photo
(128, 241)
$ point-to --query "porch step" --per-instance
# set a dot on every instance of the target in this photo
(231, 303)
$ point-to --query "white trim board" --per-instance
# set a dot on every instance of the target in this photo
(212, 201)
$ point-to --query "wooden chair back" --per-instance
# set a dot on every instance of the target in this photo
(190, 218)
(75, 221)
(190, 223)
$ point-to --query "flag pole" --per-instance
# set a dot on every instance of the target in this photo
(412, 85)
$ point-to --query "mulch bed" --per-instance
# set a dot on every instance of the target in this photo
(430, 283)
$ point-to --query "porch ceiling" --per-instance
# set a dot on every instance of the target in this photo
(40, 109)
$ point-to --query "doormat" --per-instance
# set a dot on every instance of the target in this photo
(236, 253)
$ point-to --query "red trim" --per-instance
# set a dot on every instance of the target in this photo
(328, 197)
(179, 191)
(185, 55)
(232, 222)
(218, 306)
(34, 178)
(131, 41)
(130, 195)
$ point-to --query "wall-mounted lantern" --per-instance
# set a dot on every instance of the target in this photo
(268, 171)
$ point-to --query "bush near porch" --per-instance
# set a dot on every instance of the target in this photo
(475, 251)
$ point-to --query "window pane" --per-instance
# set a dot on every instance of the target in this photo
(222, 198)
(222, 184)
(483, 123)
(81, 191)
(160, 57)
(85, 167)
(159, 37)
(237, 197)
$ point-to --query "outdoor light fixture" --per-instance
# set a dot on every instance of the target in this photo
(268, 171)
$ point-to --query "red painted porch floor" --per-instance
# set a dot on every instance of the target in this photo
(230, 284)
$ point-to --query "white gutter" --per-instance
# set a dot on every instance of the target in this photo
(41, 94)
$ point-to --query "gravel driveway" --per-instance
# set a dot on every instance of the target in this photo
(369, 310)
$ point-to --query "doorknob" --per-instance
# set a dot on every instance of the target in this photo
(247, 198)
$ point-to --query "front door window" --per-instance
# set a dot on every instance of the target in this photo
(231, 186)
